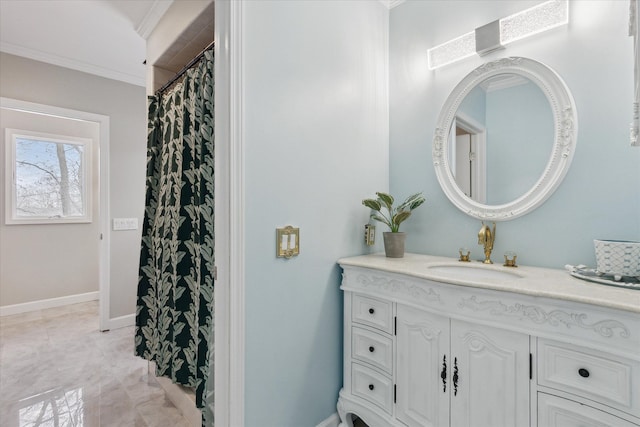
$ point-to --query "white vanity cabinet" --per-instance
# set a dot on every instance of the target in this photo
(531, 349)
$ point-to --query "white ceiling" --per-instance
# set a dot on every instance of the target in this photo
(102, 37)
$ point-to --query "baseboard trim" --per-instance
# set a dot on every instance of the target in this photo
(332, 421)
(9, 310)
(122, 321)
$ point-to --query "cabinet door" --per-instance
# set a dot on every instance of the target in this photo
(422, 399)
(492, 371)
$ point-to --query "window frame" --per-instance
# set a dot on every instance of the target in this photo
(11, 214)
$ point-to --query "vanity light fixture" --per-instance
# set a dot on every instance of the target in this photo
(497, 34)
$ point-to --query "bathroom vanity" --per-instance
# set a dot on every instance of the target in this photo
(430, 341)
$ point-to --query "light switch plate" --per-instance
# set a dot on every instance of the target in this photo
(287, 242)
(370, 234)
(120, 224)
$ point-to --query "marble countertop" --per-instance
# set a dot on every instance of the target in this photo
(535, 281)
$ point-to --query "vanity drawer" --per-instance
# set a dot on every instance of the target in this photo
(372, 386)
(555, 411)
(373, 348)
(596, 375)
(372, 312)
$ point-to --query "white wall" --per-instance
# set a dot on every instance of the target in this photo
(37, 82)
(46, 261)
(316, 144)
(600, 196)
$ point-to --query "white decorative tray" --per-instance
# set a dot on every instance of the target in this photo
(590, 274)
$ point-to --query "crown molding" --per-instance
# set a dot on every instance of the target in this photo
(153, 16)
(390, 4)
(73, 64)
(505, 81)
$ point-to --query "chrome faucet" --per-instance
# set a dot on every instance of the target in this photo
(486, 237)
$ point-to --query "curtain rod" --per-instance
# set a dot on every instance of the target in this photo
(186, 67)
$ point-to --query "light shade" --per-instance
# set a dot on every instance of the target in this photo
(452, 51)
(543, 17)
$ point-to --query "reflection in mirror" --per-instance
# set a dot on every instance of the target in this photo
(505, 138)
(501, 139)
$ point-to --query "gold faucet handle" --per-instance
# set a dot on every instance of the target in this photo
(464, 254)
(510, 259)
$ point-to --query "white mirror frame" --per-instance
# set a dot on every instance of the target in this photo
(565, 130)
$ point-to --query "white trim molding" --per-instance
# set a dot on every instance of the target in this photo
(120, 322)
(390, 4)
(43, 304)
(61, 61)
(154, 14)
(84, 175)
(229, 324)
(236, 217)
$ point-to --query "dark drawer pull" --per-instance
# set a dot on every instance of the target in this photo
(371, 349)
(371, 387)
(455, 376)
(371, 311)
(443, 374)
(584, 373)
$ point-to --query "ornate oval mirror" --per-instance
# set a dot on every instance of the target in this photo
(505, 138)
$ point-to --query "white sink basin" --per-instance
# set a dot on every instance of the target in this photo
(468, 271)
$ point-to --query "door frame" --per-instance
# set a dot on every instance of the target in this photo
(229, 323)
(104, 262)
(479, 146)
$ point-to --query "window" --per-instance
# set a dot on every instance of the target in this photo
(48, 178)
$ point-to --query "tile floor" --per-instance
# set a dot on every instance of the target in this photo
(57, 370)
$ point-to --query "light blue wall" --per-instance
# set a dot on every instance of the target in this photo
(474, 105)
(519, 136)
(600, 196)
(520, 133)
(316, 135)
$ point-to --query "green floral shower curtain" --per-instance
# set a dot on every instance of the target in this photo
(174, 315)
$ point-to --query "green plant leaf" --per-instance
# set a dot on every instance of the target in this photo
(395, 215)
(417, 203)
(372, 204)
(400, 217)
(382, 220)
(412, 202)
(387, 199)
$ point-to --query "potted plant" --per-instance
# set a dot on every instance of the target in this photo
(394, 239)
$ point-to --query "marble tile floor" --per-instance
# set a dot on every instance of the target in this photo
(58, 370)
